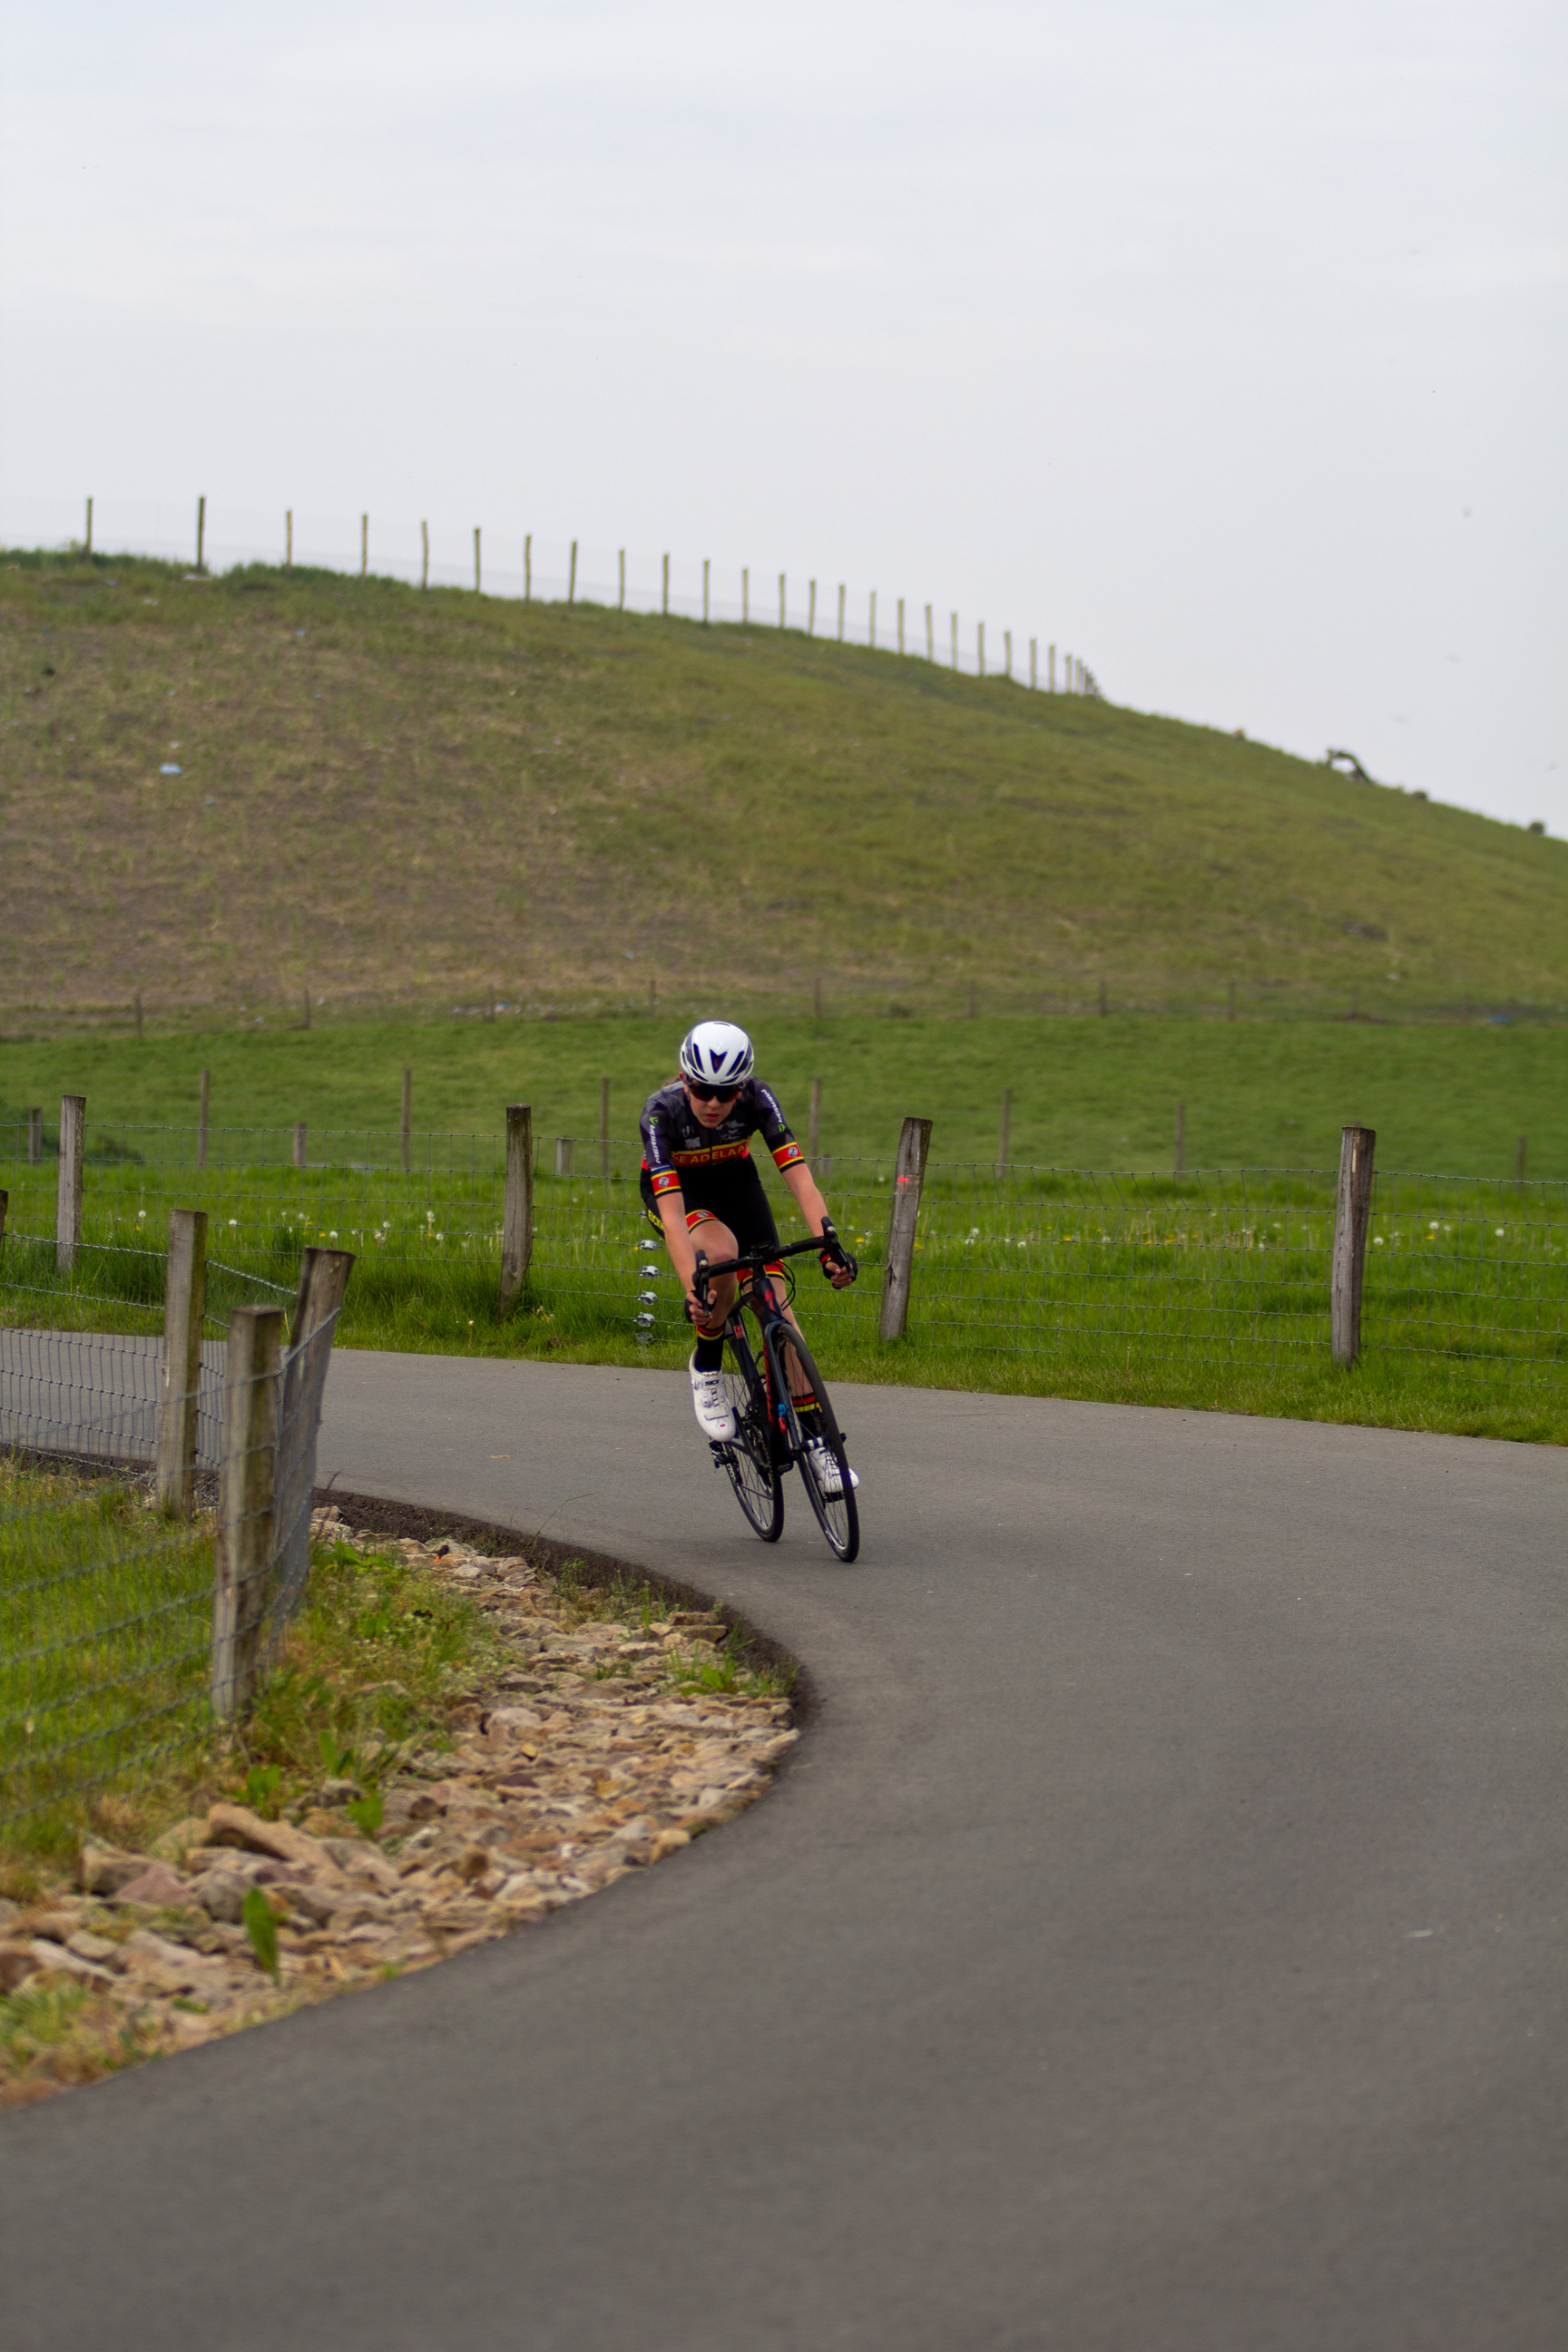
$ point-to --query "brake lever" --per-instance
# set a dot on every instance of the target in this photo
(699, 1283)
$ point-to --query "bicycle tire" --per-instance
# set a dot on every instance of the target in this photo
(836, 1515)
(749, 1456)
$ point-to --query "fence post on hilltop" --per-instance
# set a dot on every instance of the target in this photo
(914, 1143)
(67, 1196)
(1179, 1168)
(1004, 1131)
(36, 1137)
(570, 576)
(622, 605)
(1034, 664)
(200, 532)
(406, 1122)
(841, 612)
(476, 558)
(813, 1129)
(300, 1143)
(1353, 1209)
(665, 607)
(811, 611)
(1519, 1158)
(185, 1303)
(1007, 651)
(517, 1217)
(604, 1127)
(956, 641)
(425, 555)
(251, 1402)
(930, 641)
(204, 1101)
(87, 543)
(980, 648)
(1052, 672)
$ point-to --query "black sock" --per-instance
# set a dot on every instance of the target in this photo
(808, 1412)
(710, 1353)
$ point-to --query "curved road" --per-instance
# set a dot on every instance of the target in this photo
(1151, 1948)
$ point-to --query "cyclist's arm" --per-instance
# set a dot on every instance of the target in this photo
(813, 1208)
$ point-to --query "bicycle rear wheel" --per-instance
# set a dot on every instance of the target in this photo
(748, 1458)
(825, 1468)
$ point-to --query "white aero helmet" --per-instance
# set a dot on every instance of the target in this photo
(717, 1053)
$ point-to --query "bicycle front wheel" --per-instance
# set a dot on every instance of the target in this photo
(824, 1466)
(749, 1456)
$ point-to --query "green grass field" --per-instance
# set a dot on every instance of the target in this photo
(1087, 1092)
(389, 797)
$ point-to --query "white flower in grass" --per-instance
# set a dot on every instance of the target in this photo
(1501, 1232)
(333, 1235)
(1377, 1241)
(233, 1224)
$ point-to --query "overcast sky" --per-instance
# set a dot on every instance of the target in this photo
(1221, 342)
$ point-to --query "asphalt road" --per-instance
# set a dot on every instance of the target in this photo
(1153, 1948)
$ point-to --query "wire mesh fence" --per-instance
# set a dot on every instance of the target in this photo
(126, 1632)
(1220, 1267)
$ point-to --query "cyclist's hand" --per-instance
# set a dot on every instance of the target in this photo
(838, 1264)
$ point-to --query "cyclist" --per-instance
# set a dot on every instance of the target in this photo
(699, 1180)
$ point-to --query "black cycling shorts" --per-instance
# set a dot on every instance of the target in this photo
(732, 1192)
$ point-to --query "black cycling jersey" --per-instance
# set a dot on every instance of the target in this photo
(679, 1153)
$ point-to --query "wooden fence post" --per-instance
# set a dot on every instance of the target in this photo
(243, 1551)
(1519, 1150)
(622, 606)
(363, 545)
(914, 1143)
(36, 1137)
(811, 611)
(1179, 1168)
(571, 576)
(980, 648)
(604, 1127)
(900, 624)
(813, 1129)
(781, 600)
(87, 543)
(1003, 1135)
(300, 1160)
(184, 1302)
(4, 1204)
(1008, 648)
(200, 532)
(1353, 1209)
(476, 559)
(67, 1196)
(930, 641)
(563, 1155)
(1034, 664)
(517, 1218)
(203, 1105)
(324, 1279)
(1052, 686)
(405, 1122)
(841, 612)
(665, 607)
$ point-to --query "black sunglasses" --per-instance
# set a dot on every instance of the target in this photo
(712, 1094)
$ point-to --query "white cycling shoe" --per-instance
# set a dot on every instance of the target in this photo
(714, 1417)
(825, 1468)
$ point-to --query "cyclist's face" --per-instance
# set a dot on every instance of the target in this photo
(708, 1114)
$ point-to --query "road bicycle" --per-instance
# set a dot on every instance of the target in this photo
(768, 1438)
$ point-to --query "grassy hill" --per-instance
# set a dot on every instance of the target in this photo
(393, 797)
